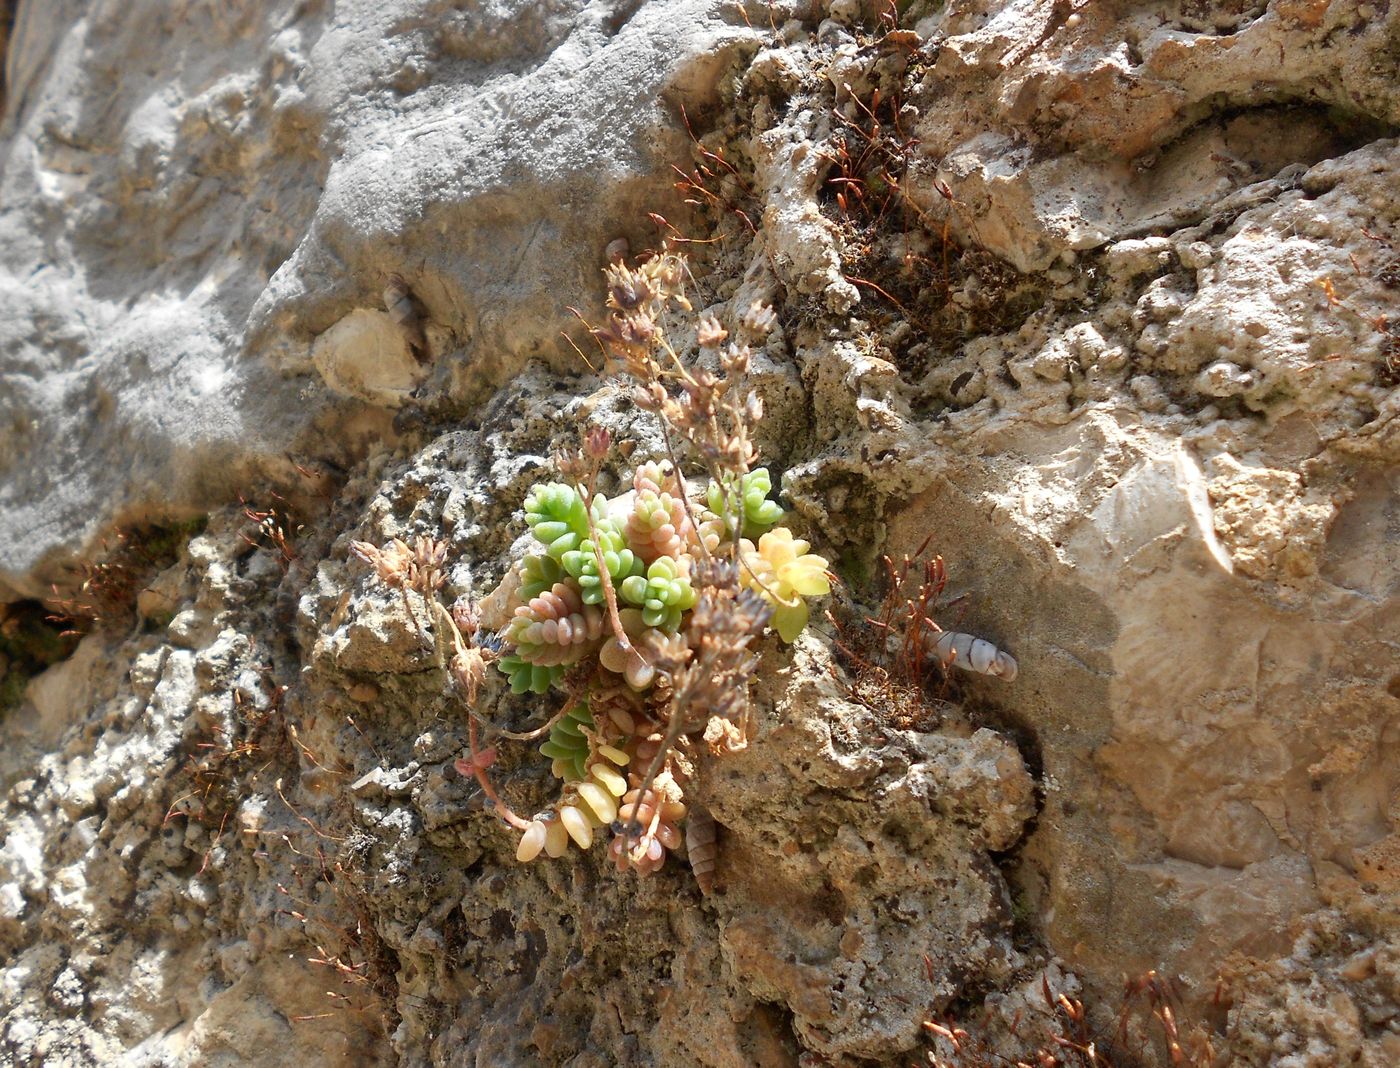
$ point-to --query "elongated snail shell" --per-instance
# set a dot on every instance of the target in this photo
(974, 654)
(398, 302)
(617, 250)
(700, 847)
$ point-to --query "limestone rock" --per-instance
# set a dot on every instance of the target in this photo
(364, 355)
(176, 243)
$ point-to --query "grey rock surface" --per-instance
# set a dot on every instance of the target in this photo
(1105, 307)
(193, 195)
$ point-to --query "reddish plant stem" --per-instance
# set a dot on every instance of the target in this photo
(502, 809)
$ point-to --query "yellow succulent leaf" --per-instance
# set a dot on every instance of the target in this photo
(788, 620)
(806, 575)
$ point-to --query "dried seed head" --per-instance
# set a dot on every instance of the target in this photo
(392, 563)
(759, 318)
(671, 653)
(709, 332)
(723, 735)
(469, 670)
(629, 290)
(425, 571)
(637, 329)
(465, 617)
(736, 359)
(753, 408)
(650, 398)
(573, 465)
(668, 271)
(596, 442)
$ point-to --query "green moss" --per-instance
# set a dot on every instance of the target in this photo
(12, 685)
(31, 640)
(857, 566)
(162, 545)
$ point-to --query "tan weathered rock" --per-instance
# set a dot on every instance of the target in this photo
(364, 355)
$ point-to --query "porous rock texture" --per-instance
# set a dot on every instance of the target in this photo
(1101, 297)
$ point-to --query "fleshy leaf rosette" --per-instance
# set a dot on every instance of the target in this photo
(758, 513)
(650, 646)
(555, 627)
(582, 563)
(595, 778)
(538, 573)
(557, 517)
(551, 631)
(662, 594)
(656, 815)
(536, 678)
(782, 572)
(657, 477)
(658, 526)
(567, 745)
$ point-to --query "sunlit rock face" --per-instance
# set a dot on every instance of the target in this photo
(193, 195)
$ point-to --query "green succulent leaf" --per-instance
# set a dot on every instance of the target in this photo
(567, 742)
(582, 563)
(538, 573)
(556, 516)
(663, 594)
(758, 513)
(526, 677)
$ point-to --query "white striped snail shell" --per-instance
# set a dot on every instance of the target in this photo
(974, 654)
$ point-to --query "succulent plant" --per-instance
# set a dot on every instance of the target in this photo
(782, 571)
(538, 572)
(758, 513)
(642, 596)
(594, 784)
(640, 600)
(555, 627)
(663, 594)
(557, 517)
(567, 745)
(582, 563)
(658, 526)
(524, 676)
